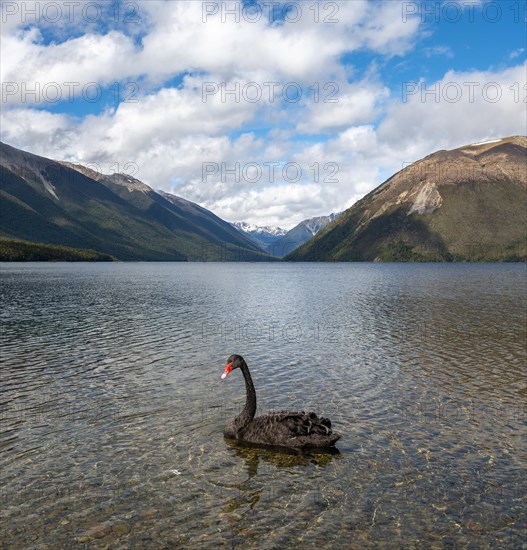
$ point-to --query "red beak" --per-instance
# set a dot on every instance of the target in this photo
(228, 368)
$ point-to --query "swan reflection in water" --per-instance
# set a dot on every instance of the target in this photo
(245, 491)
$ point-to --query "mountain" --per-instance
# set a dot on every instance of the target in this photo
(264, 236)
(278, 242)
(465, 204)
(301, 233)
(49, 202)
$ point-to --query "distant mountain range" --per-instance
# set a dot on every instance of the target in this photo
(466, 204)
(54, 203)
(279, 242)
(263, 236)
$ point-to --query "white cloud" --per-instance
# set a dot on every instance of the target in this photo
(462, 107)
(516, 53)
(68, 67)
(356, 103)
(170, 132)
(177, 40)
(39, 132)
(386, 30)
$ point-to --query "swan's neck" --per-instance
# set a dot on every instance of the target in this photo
(250, 404)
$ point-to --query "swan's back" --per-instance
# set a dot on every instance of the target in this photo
(287, 429)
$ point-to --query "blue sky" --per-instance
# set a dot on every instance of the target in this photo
(132, 76)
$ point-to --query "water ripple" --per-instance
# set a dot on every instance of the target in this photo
(112, 409)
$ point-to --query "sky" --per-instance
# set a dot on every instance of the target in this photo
(263, 112)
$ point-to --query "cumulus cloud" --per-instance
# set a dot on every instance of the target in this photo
(35, 73)
(179, 37)
(460, 108)
(312, 157)
(355, 103)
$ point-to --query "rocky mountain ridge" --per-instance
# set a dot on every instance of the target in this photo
(465, 204)
(59, 203)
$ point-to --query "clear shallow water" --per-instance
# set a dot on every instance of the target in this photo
(112, 407)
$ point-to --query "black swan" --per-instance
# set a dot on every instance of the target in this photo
(294, 430)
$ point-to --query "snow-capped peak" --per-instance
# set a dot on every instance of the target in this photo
(256, 229)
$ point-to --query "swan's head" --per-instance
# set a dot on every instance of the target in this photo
(233, 362)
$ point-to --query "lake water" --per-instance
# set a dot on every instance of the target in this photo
(112, 407)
